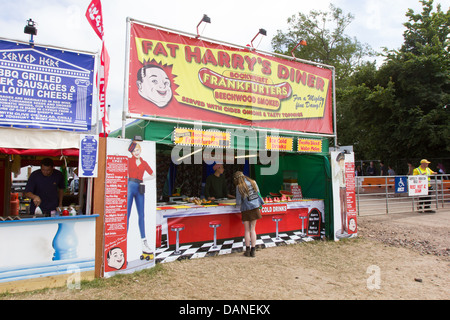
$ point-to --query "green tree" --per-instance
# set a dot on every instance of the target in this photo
(420, 71)
(326, 40)
(399, 110)
(366, 113)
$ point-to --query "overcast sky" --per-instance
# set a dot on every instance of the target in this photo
(378, 23)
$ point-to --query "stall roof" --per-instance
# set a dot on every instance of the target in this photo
(15, 141)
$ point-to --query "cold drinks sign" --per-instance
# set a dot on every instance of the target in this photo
(45, 88)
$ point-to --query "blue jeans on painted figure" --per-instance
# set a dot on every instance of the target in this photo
(133, 193)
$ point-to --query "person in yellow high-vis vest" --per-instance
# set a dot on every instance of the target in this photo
(424, 170)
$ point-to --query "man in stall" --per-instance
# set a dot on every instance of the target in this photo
(216, 185)
(45, 188)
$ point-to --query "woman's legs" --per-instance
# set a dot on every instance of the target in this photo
(250, 233)
(250, 237)
(247, 233)
(253, 233)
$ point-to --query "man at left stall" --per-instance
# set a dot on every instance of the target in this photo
(45, 188)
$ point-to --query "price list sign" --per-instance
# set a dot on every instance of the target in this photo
(116, 212)
(350, 197)
(314, 218)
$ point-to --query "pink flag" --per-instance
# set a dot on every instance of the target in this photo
(103, 83)
(95, 18)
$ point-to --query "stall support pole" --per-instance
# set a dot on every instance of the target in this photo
(99, 207)
(334, 107)
(90, 185)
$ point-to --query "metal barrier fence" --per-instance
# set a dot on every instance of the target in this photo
(377, 195)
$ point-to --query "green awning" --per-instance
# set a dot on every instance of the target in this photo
(241, 138)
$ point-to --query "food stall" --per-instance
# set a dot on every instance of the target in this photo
(299, 194)
(197, 102)
(45, 111)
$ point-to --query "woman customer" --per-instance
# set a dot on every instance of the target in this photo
(249, 200)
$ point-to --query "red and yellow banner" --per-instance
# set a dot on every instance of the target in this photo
(176, 76)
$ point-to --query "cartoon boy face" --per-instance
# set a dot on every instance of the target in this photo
(115, 258)
(154, 85)
(352, 225)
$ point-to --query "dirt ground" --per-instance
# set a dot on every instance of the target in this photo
(396, 256)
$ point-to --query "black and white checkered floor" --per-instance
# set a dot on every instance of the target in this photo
(193, 251)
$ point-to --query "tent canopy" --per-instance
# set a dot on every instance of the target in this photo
(39, 142)
(161, 133)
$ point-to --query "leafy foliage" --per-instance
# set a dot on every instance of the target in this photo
(398, 111)
(327, 42)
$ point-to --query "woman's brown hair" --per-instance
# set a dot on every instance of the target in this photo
(239, 180)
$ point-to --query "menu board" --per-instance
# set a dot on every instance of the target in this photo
(351, 196)
(296, 191)
(116, 211)
(87, 161)
(45, 87)
(130, 206)
(314, 220)
(344, 198)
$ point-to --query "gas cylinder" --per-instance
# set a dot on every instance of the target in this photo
(14, 204)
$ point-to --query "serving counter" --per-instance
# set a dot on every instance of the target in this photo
(306, 215)
(44, 247)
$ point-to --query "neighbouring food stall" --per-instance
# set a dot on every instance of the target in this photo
(45, 112)
(198, 103)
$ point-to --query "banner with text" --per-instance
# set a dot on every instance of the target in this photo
(130, 206)
(45, 88)
(344, 198)
(176, 76)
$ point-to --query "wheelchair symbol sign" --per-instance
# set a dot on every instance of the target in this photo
(401, 184)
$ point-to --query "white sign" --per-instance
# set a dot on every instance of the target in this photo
(417, 186)
(296, 191)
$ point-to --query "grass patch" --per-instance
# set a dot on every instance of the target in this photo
(97, 283)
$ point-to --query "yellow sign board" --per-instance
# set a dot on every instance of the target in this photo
(204, 138)
(279, 143)
(309, 145)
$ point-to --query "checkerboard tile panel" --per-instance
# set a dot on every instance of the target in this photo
(166, 254)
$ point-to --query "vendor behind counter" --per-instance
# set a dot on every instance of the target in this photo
(216, 185)
(45, 188)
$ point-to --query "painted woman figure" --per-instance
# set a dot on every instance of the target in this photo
(136, 190)
(340, 175)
